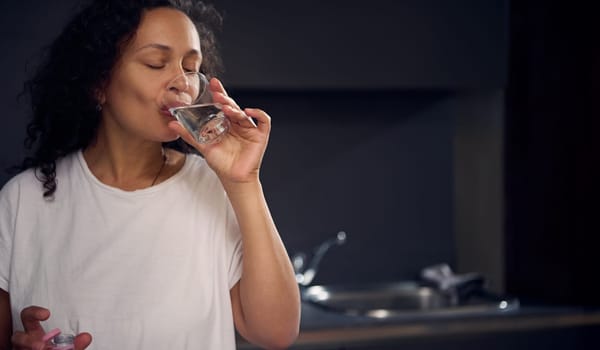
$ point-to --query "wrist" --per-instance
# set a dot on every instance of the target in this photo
(242, 188)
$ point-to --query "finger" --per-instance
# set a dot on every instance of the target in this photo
(217, 86)
(262, 118)
(181, 131)
(40, 345)
(22, 340)
(51, 334)
(238, 117)
(219, 97)
(82, 341)
(31, 317)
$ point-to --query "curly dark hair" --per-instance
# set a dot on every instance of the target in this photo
(77, 64)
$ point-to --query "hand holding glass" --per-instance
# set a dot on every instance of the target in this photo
(195, 109)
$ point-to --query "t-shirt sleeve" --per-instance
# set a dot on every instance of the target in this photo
(234, 247)
(6, 235)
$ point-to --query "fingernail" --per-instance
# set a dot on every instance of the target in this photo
(251, 121)
(51, 334)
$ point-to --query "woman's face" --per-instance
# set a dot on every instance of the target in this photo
(165, 45)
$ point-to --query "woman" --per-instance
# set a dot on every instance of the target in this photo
(108, 231)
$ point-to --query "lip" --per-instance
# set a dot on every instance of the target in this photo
(164, 110)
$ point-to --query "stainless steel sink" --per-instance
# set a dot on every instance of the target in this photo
(440, 292)
(402, 299)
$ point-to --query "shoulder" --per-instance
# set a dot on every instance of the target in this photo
(196, 167)
(22, 188)
(28, 182)
(197, 177)
(195, 160)
(186, 166)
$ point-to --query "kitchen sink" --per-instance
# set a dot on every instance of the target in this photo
(407, 298)
(440, 291)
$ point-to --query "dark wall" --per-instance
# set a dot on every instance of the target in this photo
(365, 102)
(25, 27)
(355, 44)
(376, 165)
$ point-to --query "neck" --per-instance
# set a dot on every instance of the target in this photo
(127, 165)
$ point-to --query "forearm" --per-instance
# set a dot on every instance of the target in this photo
(5, 320)
(269, 295)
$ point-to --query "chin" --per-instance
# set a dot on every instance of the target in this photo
(171, 138)
(168, 136)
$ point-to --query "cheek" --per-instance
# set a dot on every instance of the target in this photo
(133, 93)
(145, 96)
(130, 92)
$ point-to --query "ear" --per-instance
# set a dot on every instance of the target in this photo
(99, 93)
(99, 96)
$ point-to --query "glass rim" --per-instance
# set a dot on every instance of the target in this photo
(174, 109)
(190, 73)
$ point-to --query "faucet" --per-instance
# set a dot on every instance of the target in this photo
(455, 287)
(306, 271)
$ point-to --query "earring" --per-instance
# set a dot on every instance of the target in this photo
(98, 107)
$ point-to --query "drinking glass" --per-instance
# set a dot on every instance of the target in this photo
(193, 106)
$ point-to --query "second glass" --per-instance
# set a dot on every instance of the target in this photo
(195, 108)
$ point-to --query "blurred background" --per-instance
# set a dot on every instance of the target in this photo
(430, 131)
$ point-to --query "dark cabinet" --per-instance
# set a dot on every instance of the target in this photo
(355, 44)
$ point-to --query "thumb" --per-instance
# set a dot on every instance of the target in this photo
(82, 341)
(185, 135)
(31, 317)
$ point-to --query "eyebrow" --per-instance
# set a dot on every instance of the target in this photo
(166, 48)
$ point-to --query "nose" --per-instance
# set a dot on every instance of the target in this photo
(189, 83)
(179, 84)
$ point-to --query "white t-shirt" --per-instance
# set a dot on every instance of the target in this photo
(145, 269)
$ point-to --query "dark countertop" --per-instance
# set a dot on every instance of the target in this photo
(320, 328)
